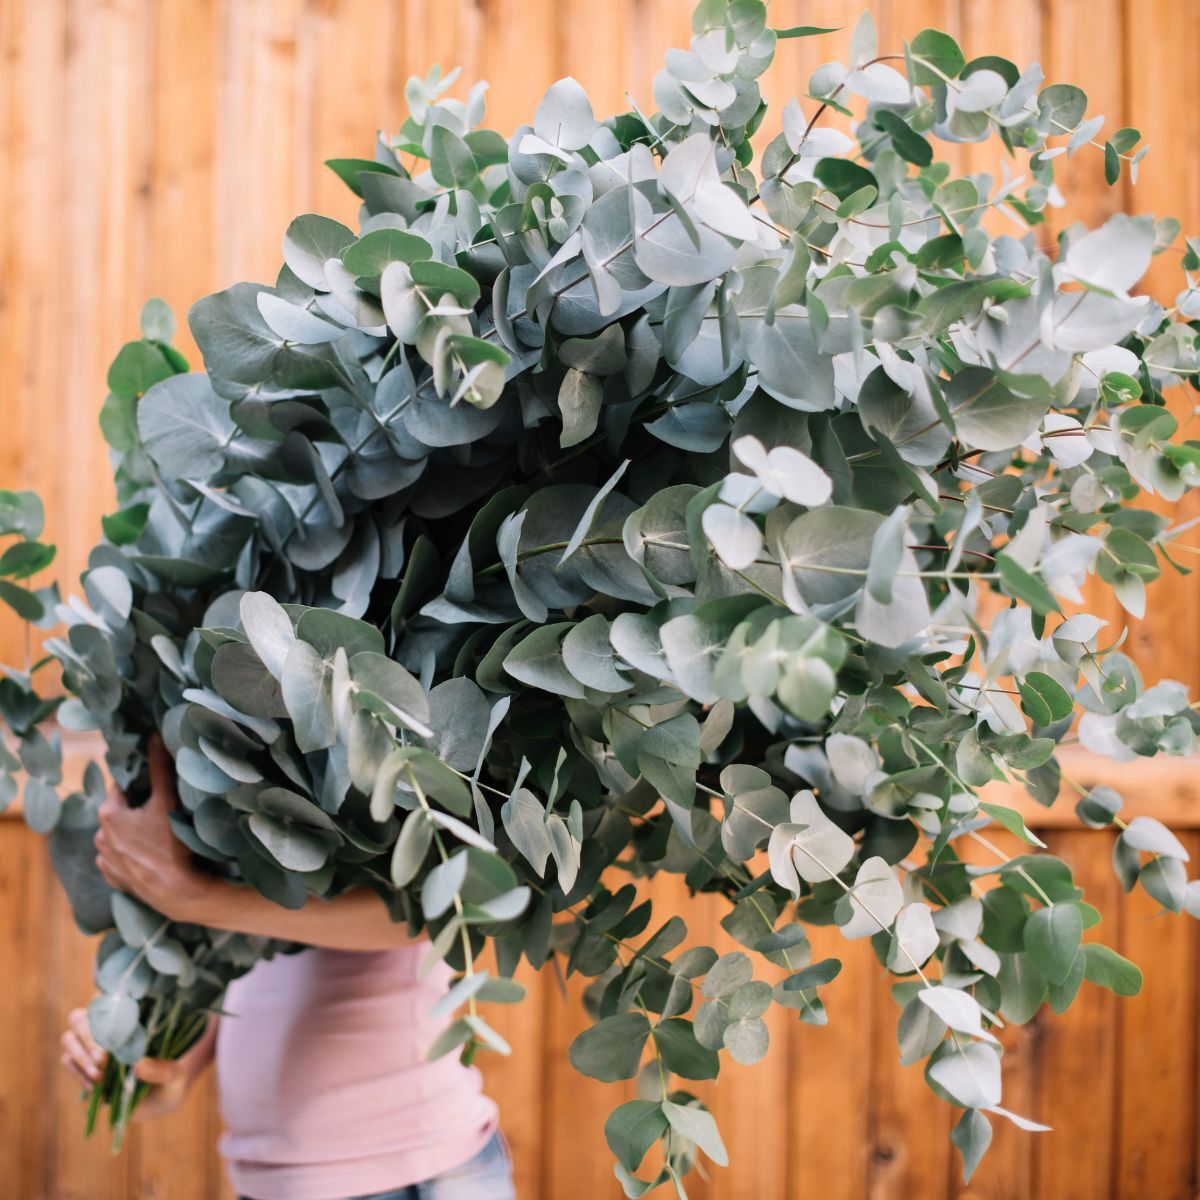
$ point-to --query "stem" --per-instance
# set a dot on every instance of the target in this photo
(550, 547)
(1029, 879)
(795, 155)
(883, 926)
(1083, 791)
(468, 956)
(916, 741)
(137, 958)
(94, 1099)
(947, 549)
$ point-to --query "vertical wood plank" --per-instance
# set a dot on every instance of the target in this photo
(28, 1043)
(656, 26)
(172, 1158)
(1169, 179)
(261, 136)
(1078, 1050)
(508, 1079)
(449, 36)
(595, 45)
(910, 1150)
(1006, 1169)
(1156, 1062)
(1082, 43)
(219, 1187)
(185, 113)
(178, 1157)
(1014, 32)
(796, 59)
(1167, 35)
(831, 1076)
(347, 49)
(519, 58)
(102, 221)
(575, 1160)
(32, 257)
(79, 1169)
(900, 21)
(750, 1103)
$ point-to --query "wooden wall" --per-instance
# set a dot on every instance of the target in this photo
(160, 147)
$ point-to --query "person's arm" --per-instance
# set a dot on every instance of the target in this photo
(138, 853)
(354, 920)
(170, 1081)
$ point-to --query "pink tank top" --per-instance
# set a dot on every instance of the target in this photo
(325, 1087)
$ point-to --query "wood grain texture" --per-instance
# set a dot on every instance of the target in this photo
(513, 1081)
(162, 147)
(1159, 37)
(28, 1037)
(572, 1164)
(831, 1067)
(1078, 1050)
(33, 260)
(1154, 1151)
(910, 1140)
(182, 245)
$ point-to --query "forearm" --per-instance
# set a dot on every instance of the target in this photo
(354, 920)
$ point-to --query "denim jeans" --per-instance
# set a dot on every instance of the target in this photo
(487, 1176)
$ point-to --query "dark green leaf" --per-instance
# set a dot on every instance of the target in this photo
(676, 1042)
(632, 1128)
(612, 1048)
(942, 54)
(1052, 938)
(803, 31)
(1107, 969)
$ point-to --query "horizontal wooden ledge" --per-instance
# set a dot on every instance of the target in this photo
(1162, 787)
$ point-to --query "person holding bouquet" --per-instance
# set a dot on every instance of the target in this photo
(321, 1056)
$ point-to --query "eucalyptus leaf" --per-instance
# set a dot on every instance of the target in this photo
(1053, 937)
(612, 1048)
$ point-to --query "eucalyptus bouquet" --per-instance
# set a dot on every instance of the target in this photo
(604, 507)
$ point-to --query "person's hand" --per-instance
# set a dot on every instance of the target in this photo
(80, 1054)
(169, 1081)
(137, 851)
